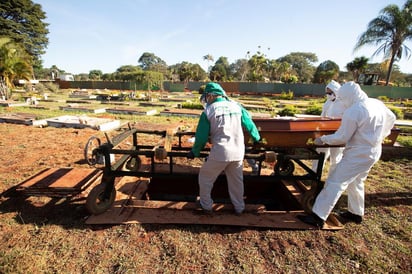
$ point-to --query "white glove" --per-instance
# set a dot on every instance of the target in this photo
(318, 142)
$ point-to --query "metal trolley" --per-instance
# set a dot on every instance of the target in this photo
(122, 155)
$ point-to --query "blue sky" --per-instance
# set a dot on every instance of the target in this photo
(106, 34)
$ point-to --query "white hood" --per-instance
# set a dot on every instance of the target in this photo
(351, 93)
(333, 85)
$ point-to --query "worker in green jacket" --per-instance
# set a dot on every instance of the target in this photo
(223, 120)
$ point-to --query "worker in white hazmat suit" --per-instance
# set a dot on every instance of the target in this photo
(332, 108)
(365, 124)
(223, 120)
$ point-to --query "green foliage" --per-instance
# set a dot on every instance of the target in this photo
(149, 61)
(39, 88)
(405, 141)
(301, 63)
(290, 79)
(48, 73)
(407, 103)
(154, 80)
(288, 110)
(383, 98)
(358, 65)
(192, 105)
(128, 73)
(390, 30)
(95, 74)
(15, 64)
(397, 111)
(188, 72)
(286, 95)
(52, 87)
(257, 64)
(202, 89)
(268, 103)
(221, 70)
(326, 72)
(314, 109)
(22, 21)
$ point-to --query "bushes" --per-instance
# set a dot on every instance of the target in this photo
(405, 141)
(314, 110)
(286, 95)
(383, 98)
(288, 110)
(192, 105)
(397, 111)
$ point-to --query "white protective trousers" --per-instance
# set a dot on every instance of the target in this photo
(208, 174)
(333, 153)
(350, 175)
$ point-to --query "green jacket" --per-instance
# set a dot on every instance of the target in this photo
(219, 134)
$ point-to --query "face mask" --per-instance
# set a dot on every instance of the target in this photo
(203, 100)
(330, 97)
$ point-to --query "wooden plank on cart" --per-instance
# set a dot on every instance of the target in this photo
(57, 182)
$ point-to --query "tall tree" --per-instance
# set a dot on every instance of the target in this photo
(128, 73)
(209, 58)
(22, 21)
(198, 73)
(258, 67)
(357, 66)
(302, 64)
(221, 70)
(149, 61)
(389, 31)
(326, 71)
(239, 69)
(95, 74)
(188, 72)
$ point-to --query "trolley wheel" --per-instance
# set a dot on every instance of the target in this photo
(90, 155)
(96, 203)
(284, 168)
(270, 157)
(134, 163)
(160, 153)
(308, 199)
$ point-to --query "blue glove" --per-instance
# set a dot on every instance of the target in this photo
(190, 155)
(318, 142)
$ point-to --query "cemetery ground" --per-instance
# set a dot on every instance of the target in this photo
(36, 238)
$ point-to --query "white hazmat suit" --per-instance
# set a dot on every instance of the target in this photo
(332, 108)
(365, 124)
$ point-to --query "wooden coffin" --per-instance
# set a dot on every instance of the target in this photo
(299, 132)
(297, 124)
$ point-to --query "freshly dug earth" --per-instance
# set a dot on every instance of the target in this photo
(37, 236)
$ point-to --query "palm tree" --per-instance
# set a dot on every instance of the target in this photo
(357, 66)
(390, 30)
(15, 64)
(209, 58)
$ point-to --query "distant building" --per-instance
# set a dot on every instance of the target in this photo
(66, 77)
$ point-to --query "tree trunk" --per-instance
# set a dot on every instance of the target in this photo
(388, 75)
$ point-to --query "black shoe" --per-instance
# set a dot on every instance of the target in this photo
(238, 213)
(202, 211)
(312, 219)
(350, 217)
